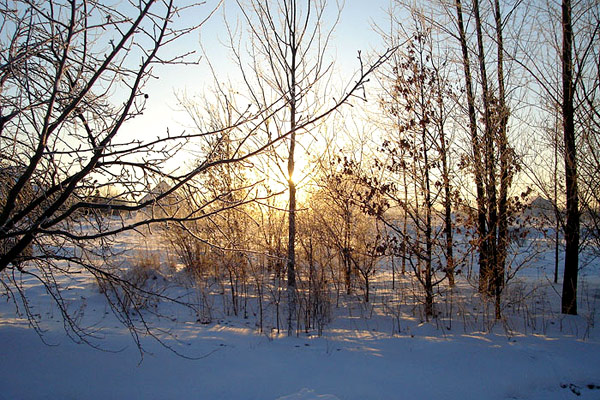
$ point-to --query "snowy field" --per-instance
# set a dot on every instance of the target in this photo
(365, 352)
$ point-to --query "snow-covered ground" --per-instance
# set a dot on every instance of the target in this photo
(344, 364)
(364, 353)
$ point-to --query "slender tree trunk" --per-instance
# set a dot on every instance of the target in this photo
(291, 259)
(569, 293)
(555, 206)
(476, 147)
(404, 220)
(427, 197)
(486, 278)
(505, 178)
(312, 286)
(417, 203)
(346, 250)
(366, 287)
(447, 195)
(291, 266)
(428, 238)
(405, 213)
(393, 274)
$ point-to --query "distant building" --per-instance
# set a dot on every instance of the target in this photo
(166, 205)
(158, 190)
(541, 208)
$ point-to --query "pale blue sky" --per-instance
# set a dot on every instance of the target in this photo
(354, 32)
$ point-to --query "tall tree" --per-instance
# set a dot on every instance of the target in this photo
(501, 116)
(486, 276)
(476, 149)
(414, 156)
(569, 293)
(72, 74)
(571, 89)
(490, 143)
(286, 62)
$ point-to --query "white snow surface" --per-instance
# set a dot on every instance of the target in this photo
(342, 365)
(307, 394)
(361, 355)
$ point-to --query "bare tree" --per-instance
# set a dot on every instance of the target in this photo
(493, 158)
(72, 74)
(284, 68)
(414, 156)
(572, 44)
(475, 139)
(340, 190)
(580, 86)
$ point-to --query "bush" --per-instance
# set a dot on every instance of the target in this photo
(145, 282)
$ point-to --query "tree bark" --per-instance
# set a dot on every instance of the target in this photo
(486, 276)
(291, 266)
(505, 177)
(447, 191)
(476, 147)
(569, 293)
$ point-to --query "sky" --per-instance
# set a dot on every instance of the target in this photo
(353, 33)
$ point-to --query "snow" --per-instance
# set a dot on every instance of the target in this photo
(307, 394)
(247, 366)
(361, 355)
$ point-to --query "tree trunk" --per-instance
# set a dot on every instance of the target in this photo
(366, 288)
(569, 293)
(428, 210)
(476, 147)
(486, 276)
(505, 177)
(346, 249)
(557, 224)
(404, 249)
(447, 195)
(291, 259)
